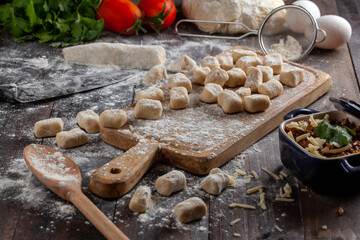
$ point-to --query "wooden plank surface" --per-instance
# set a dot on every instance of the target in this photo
(52, 218)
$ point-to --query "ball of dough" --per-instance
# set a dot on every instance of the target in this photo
(225, 61)
(183, 64)
(275, 61)
(48, 127)
(215, 182)
(89, 121)
(272, 88)
(267, 72)
(153, 93)
(179, 98)
(237, 77)
(200, 74)
(242, 92)
(173, 181)
(230, 102)
(218, 76)
(256, 103)
(254, 79)
(155, 75)
(73, 138)
(292, 78)
(210, 62)
(189, 210)
(180, 80)
(248, 61)
(239, 53)
(148, 109)
(113, 118)
(141, 199)
(210, 93)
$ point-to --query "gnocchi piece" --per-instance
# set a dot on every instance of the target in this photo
(113, 118)
(48, 127)
(155, 75)
(210, 62)
(141, 199)
(254, 79)
(230, 102)
(148, 109)
(239, 53)
(215, 182)
(89, 121)
(72, 138)
(275, 61)
(173, 181)
(153, 93)
(272, 88)
(242, 92)
(267, 72)
(248, 61)
(179, 98)
(180, 80)
(183, 64)
(292, 78)
(210, 93)
(225, 61)
(218, 76)
(237, 77)
(189, 210)
(200, 74)
(256, 103)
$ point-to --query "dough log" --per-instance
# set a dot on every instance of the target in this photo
(173, 181)
(73, 138)
(89, 121)
(141, 199)
(189, 210)
(48, 127)
(215, 182)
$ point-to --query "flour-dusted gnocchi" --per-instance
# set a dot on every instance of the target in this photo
(189, 210)
(171, 182)
(248, 61)
(256, 103)
(243, 91)
(155, 75)
(48, 127)
(292, 78)
(210, 93)
(89, 121)
(113, 118)
(267, 72)
(179, 98)
(237, 77)
(183, 64)
(215, 182)
(72, 138)
(272, 88)
(141, 199)
(230, 102)
(275, 61)
(180, 80)
(239, 53)
(226, 61)
(200, 74)
(150, 93)
(148, 109)
(254, 79)
(218, 76)
(210, 62)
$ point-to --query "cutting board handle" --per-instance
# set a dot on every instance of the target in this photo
(119, 176)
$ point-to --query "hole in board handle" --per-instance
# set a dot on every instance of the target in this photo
(115, 170)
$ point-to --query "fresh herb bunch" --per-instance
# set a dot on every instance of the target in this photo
(334, 133)
(62, 22)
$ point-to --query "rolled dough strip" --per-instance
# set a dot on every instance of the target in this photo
(124, 55)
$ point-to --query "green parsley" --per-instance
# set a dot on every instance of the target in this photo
(334, 133)
(62, 22)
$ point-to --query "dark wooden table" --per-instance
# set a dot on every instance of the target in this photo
(29, 211)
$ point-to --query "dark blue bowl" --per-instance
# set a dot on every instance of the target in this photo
(324, 175)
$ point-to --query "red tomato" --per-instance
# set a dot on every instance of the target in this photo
(161, 13)
(120, 16)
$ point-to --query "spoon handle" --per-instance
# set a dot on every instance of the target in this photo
(96, 217)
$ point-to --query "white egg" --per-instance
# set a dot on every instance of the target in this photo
(337, 29)
(297, 20)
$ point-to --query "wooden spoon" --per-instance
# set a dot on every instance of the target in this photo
(60, 174)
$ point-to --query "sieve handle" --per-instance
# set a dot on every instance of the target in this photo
(323, 32)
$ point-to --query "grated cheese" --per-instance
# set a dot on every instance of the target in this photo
(276, 177)
(232, 223)
(254, 189)
(240, 205)
(248, 179)
(237, 235)
(256, 176)
(279, 229)
(241, 172)
(284, 199)
(302, 137)
(283, 173)
(262, 201)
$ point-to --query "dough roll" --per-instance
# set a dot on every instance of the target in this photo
(189, 210)
(173, 181)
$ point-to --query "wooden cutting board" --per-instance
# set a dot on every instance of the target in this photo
(198, 138)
